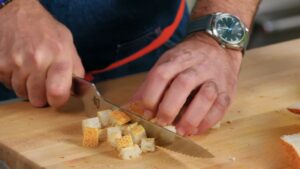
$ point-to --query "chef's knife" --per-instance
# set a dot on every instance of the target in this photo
(93, 102)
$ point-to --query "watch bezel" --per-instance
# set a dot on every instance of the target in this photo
(212, 30)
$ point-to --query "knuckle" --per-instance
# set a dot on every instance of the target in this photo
(61, 66)
(161, 72)
(185, 80)
(17, 61)
(58, 46)
(223, 101)
(209, 91)
(35, 58)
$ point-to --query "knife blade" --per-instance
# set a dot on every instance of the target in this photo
(93, 102)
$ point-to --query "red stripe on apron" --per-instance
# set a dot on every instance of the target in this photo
(165, 35)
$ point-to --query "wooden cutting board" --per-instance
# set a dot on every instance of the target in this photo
(249, 136)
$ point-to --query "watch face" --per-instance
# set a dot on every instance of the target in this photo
(229, 29)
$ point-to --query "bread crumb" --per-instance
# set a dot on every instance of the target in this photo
(233, 159)
(171, 128)
(217, 125)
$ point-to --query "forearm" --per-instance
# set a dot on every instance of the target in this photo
(245, 9)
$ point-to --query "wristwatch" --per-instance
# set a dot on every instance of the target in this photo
(4, 2)
(227, 29)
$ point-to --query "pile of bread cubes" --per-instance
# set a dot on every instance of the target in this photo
(115, 127)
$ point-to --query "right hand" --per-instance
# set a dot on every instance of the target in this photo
(37, 54)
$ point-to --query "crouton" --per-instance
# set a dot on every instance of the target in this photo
(130, 152)
(104, 117)
(123, 142)
(90, 137)
(291, 144)
(113, 133)
(102, 134)
(148, 144)
(126, 128)
(91, 123)
(119, 118)
(137, 133)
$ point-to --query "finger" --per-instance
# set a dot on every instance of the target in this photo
(216, 113)
(18, 82)
(197, 109)
(176, 95)
(36, 89)
(138, 94)
(58, 83)
(161, 76)
(5, 79)
(78, 68)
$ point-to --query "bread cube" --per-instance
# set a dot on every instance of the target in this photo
(148, 145)
(90, 137)
(113, 133)
(91, 123)
(130, 152)
(126, 128)
(137, 133)
(171, 128)
(104, 117)
(123, 142)
(102, 134)
(119, 118)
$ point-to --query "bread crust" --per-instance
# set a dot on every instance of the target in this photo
(291, 155)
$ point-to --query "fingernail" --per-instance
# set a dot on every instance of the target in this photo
(224, 100)
(180, 131)
(148, 114)
(39, 103)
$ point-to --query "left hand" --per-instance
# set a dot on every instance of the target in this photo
(198, 64)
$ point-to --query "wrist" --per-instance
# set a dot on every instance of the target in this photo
(205, 39)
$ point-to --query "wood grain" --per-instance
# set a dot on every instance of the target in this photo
(269, 82)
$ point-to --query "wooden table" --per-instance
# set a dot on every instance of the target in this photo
(248, 138)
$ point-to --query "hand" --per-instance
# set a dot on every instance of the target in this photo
(37, 56)
(197, 71)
